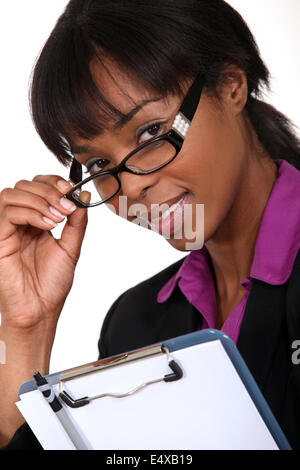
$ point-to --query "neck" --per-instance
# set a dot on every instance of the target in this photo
(232, 247)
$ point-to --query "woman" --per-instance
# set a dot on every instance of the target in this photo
(111, 77)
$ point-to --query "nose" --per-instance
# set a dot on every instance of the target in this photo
(135, 186)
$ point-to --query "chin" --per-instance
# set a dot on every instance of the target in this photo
(186, 245)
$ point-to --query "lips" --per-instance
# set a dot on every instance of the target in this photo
(170, 203)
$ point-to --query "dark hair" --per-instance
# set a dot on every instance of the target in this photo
(160, 44)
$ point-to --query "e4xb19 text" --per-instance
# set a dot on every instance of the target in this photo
(152, 459)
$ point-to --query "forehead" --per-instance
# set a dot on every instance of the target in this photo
(123, 99)
(131, 100)
(120, 88)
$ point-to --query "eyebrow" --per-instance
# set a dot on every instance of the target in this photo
(127, 117)
(79, 149)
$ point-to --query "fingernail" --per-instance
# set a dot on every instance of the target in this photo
(64, 185)
(49, 222)
(55, 212)
(85, 196)
(68, 205)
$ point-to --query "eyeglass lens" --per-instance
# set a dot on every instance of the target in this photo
(147, 159)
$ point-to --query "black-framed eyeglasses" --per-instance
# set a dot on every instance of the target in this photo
(147, 158)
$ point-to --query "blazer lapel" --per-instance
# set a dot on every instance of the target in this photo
(260, 331)
(261, 328)
(178, 317)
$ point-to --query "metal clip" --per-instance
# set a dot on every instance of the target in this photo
(176, 374)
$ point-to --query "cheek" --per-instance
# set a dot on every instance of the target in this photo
(113, 205)
(212, 163)
(119, 205)
(213, 172)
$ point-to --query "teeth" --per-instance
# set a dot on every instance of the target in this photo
(168, 211)
(162, 217)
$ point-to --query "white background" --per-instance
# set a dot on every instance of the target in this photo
(116, 254)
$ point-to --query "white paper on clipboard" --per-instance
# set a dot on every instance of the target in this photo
(209, 408)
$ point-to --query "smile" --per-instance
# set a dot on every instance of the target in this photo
(169, 211)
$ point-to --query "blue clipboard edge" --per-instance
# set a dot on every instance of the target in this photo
(204, 336)
(257, 397)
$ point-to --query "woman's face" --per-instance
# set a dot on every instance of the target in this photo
(207, 172)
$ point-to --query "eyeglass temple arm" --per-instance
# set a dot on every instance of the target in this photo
(75, 172)
(191, 101)
(188, 109)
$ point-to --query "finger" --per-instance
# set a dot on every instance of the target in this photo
(56, 181)
(50, 193)
(19, 198)
(15, 216)
(74, 230)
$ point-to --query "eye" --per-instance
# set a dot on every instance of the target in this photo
(149, 133)
(96, 165)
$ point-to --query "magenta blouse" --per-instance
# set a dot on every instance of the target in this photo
(276, 247)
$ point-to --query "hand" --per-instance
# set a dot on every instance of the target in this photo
(36, 270)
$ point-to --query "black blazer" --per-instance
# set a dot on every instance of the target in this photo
(270, 325)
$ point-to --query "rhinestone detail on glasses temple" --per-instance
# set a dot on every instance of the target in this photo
(181, 125)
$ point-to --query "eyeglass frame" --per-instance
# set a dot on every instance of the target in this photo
(175, 136)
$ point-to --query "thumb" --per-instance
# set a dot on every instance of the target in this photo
(74, 230)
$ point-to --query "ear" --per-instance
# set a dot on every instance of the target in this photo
(233, 89)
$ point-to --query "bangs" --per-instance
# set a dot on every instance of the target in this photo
(158, 45)
(66, 102)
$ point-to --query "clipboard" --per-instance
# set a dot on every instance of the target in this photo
(161, 407)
